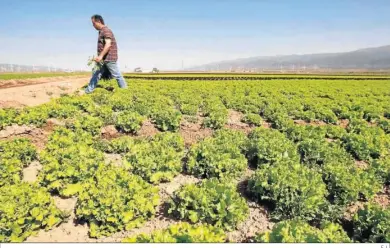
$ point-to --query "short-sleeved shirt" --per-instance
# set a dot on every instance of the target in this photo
(106, 33)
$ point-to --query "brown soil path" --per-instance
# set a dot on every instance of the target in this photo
(37, 92)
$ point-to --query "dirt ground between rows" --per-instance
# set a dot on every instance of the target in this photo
(38, 91)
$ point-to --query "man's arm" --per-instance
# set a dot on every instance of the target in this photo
(106, 48)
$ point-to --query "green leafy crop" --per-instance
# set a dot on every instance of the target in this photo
(181, 233)
(129, 121)
(296, 231)
(156, 159)
(167, 119)
(24, 209)
(218, 156)
(294, 190)
(115, 200)
(68, 161)
(14, 155)
(270, 146)
(212, 201)
(252, 119)
(372, 224)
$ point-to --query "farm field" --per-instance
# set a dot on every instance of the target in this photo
(292, 160)
(8, 76)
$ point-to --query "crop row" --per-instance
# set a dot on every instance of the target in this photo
(305, 174)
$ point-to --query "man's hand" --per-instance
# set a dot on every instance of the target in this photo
(105, 50)
(98, 59)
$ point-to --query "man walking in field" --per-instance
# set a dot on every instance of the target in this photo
(107, 53)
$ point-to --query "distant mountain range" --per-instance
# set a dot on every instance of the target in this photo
(29, 68)
(367, 58)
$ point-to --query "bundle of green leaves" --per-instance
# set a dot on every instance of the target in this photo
(24, 209)
(367, 143)
(68, 160)
(372, 224)
(252, 119)
(181, 233)
(382, 168)
(156, 159)
(270, 146)
(212, 201)
(294, 190)
(344, 180)
(167, 119)
(87, 123)
(215, 112)
(298, 133)
(219, 156)
(115, 200)
(297, 231)
(129, 121)
(33, 115)
(14, 156)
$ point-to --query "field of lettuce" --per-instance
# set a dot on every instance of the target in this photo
(312, 157)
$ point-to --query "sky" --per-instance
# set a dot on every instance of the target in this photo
(169, 34)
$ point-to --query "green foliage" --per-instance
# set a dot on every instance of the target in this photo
(298, 133)
(104, 113)
(294, 190)
(68, 162)
(7, 117)
(319, 152)
(252, 119)
(296, 231)
(181, 233)
(14, 155)
(215, 113)
(167, 119)
(270, 146)
(372, 224)
(218, 156)
(33, 115)
(367, 143)
(334, 132)
(115, 200)
(87, 123)
(382, 168)
(129, 122)
(24, 209)
(385, 125)
(345, 181)
(62, 111)
(212, 201)
(189, 109)
(156, 159)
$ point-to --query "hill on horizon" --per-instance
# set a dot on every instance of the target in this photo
(366, 58)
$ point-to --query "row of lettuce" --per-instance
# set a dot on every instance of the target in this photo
(305, 174)
(308, 181)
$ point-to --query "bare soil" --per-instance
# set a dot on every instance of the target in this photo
(194, 132)
(30, 173)
(11, 83)
(383, 198)
(38, 136)
(361, 164)
(32, 92)
(344, 123)
(148, 129)
(311, 123)
(234, 122)
(114, 159)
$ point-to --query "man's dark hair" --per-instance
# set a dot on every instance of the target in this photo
(98, 18)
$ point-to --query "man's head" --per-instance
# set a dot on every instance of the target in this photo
(97, 21)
